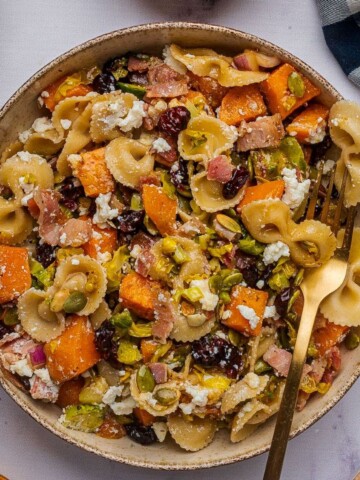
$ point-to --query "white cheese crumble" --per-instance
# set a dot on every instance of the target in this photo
(136, 251)
(270, 312)
(42, 124)
(103, 257)
(160, 145)
(65, 123)
(24, 156)
(260, 284)
(274, 251)
(43, 374)
(103, 210)
(75, 261)
(22, 368)
(226, 314)
(63, 238)
(110, 396)
(209, 300)
(199, 398)
(134, 117)
(252, 380)
(123, 408)
(328, 166)
(24, 136)
(295, 191)
(249, 314)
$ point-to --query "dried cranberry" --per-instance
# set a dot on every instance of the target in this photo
(104, 341)
(173, 120)
(130, 221)
(4, 330)
(104, 83)
(179, 174)
(215, 351)
(45, 254)
(239, 177)
(247, 266)
(282, 300)
(138, 78)
(141, 434)
(25, 382)
(70, 194)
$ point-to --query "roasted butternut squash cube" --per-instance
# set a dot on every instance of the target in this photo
(138, 294)
(15, 277)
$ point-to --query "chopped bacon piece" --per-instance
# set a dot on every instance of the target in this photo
(159, 371)
(220, 169)
(334, 358)
(318, 366)
(167, 90)
(75, 232)
(164, 317)
(48, 203)
(42, 391)
(136, 64)
(171, 156)
(280, 360)
(145, 258)
(302, 399)
(191, 228)
(264, 132)
(163, 74)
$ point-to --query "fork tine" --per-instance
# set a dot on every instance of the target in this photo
(336, 224)
(350, 220)
(327, 201)
(314, 194)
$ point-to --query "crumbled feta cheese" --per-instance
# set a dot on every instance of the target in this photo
(110, 396)
(160, 145)
(260, 284)
(103, 257)
(328, 166)
(24, 200)
(226, 314)
(274, 251)
(45, 94)
(65, 123)
(24, 136)
(43, 374)
(270, 312)
(134, 117)
(74, 160)
(103, 210)
(24, 156)
(209, 300)
(42, 124)
(250, 315)
(295, 191)
(161, 297)
(160, 429)
(22, 368)
(63, 238)
(199, 398)
(252, 380)
(75, 261)
(135, 252)
(123, 408)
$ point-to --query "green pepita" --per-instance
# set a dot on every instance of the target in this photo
(296, 84)
(228, 223)
(352, 340)
(166, 396)
(128, 353)
(11, 317)
(75, 302)
(225, 298)
(261, 367)
(122, 320)
(232, 280)
(215, 283)
(145, 380)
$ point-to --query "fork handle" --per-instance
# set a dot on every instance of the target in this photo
(284, 418)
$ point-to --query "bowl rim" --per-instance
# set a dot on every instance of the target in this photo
(13, 391)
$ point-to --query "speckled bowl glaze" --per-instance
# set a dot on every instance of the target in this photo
(19, 113)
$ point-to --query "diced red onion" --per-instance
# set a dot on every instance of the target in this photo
(37, 356)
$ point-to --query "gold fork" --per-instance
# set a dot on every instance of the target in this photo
(317, 284)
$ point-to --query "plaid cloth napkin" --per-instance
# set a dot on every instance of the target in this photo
(341, 27)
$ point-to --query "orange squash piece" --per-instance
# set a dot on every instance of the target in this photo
(148, 348)
(15, 277)
(249, 297)
(328, 336)
(277, 93)
(306, 126)
(144, 417)
(103, 240)
(263, 191)
(160, 208)
(138, 294)
(54, 97)
(69, 392)
(94, 174)
(73, 352)
(242, 103)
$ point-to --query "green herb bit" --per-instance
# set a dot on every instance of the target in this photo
(122, 320)
(196, 138)
(140, 330)
(145, 379)
(296, 84)
(167, 185)
(136, 90)
(225, 298)
(44, 275)
(136, 202)
(94, 391)
(233, 279)
(218, 252)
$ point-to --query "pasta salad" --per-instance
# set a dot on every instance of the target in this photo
(153, 239)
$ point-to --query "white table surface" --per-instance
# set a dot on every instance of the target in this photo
(32, 32)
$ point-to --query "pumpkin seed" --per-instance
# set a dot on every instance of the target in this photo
(75, 302)
(225, 298)
(233, 279)
(261, 367)
(192, 294)
(145, 380)
(296, 84)
(11, 317)
(215, 283)
(352, 341)
(122, 320)
(128, 353)
(228, 223)
(166, 396)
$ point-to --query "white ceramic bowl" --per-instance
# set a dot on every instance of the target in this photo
(19, 113)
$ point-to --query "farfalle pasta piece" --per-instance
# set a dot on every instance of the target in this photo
(240, 428)
(36, 318)
(183, 332)
(204, 138)
(341, 307)
(128, 160)
(149, 401)
(205, 62)
(107, 110)
(245, 389)
(344, 124)
(101, 314)
(44, 143)
(208, 194)
(269, 221)
(192, 435)
(270, 408)
(83, 274)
